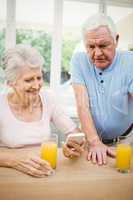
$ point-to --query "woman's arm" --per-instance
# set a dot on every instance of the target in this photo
(24, 161)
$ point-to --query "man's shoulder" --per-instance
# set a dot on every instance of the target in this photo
(79, 55)
(82, 60)
(125, 61)
(126, 55)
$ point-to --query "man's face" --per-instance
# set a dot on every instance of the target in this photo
(100, 46)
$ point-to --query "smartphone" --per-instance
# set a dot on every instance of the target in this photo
(78, 137)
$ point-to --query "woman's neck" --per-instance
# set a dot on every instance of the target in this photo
(24, 102)
(25, 112)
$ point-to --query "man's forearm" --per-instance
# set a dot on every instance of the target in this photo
(87, 125)
(83, 107)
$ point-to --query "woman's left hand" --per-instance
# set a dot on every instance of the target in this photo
(73, 149)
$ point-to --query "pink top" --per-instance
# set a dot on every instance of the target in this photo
(17, 133)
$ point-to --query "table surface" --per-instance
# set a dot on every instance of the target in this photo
(74, 179)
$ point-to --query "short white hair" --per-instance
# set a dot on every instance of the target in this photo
(19, 58)
(98, 20)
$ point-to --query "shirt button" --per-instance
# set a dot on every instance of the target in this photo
(100, 73)
(101, 81)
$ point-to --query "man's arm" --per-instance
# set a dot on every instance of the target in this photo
(84, 113)
(97, 150)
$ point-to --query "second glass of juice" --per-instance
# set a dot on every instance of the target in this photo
(49, 148)
(123, 155)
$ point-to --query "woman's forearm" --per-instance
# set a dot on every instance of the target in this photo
(6, 158)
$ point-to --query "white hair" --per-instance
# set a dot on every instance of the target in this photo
(20, 58)
(98, 20)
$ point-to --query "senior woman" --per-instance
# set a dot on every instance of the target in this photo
(26, 112)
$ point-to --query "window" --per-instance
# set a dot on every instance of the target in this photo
(34, 21)
(124, 25)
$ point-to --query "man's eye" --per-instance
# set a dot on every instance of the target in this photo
(103, 46)
(91, 46)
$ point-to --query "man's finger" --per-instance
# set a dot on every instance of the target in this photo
(104, 155)
(99, 157)
(94, 157)
(111, 152)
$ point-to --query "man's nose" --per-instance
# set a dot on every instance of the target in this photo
(98, 51)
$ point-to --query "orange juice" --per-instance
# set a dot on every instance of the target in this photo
(123, 157)
(49, 153)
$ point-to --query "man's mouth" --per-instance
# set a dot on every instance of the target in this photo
(100, 60)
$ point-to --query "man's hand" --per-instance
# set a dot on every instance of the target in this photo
(98, 152)
(73, 149)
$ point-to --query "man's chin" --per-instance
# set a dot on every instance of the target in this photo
(101, 65)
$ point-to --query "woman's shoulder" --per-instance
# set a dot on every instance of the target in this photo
(2, 98)
(49, 96)
(48, 93)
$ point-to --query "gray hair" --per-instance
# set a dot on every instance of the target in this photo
(19, 58)
(97, 21)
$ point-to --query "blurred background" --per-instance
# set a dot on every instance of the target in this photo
(54, 28)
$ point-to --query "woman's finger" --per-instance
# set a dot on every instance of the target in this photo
(76, 146)
(89, 155)
(41, 162)
(70, 152)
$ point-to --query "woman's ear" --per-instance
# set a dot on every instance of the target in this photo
(10, 83)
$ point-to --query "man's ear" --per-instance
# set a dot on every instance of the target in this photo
(117, 39)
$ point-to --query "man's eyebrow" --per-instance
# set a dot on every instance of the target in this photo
(93, 42)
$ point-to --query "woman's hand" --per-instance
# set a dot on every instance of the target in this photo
(32, 165)
(98, 152)
(73, 149)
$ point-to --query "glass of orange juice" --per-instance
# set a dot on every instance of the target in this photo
(49, 148)
(124, 152)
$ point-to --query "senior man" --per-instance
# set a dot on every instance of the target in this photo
(102, 79)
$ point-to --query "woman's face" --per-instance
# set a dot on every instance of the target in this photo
(29, 82)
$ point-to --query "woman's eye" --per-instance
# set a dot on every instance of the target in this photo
(39, 78)
(28, 80)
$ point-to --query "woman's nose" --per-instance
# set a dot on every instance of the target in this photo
(36, 84)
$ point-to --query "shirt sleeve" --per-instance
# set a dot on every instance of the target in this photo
(58, 116)
(62, 121)
(130, 89)
(76, 72)
(128, 62)
(130, 80)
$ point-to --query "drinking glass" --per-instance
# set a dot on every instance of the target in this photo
(49, 148)
(124, 153)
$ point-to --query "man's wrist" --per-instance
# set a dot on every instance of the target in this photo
(93, 141)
